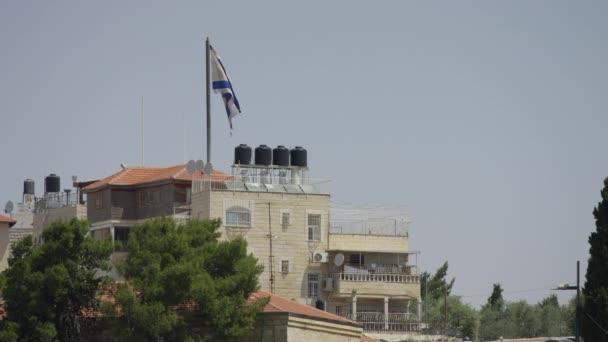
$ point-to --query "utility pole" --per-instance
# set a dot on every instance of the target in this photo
(578, 305)
(271, 256)
(445, 305)
(577, 324)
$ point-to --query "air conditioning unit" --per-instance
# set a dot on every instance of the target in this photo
(319, 257)
(328, 284)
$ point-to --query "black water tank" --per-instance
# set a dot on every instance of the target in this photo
(298, 156)
(52, 183)
(280, 156)
(263, 155)
(242, 155)
(28, 187)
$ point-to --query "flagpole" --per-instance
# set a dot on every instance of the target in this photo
(142, 131)
(207, 82)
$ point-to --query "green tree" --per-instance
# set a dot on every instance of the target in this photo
(492, 316)
(47, 286)
(596, 284)
(436, 286)
(495, 300)
(550, 317)
(520, 320)
(462, 319)
(171, 265)
(568, 317)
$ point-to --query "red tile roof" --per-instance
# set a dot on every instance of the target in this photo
(282, 304)
(4, 219)
(365, 338)
(133, 175)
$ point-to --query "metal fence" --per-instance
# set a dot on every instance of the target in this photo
(238, 183)
(58, 200)
(377, 321)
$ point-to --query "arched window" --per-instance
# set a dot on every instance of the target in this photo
(238, 216)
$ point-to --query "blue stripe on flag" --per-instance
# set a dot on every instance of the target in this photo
(223, 84)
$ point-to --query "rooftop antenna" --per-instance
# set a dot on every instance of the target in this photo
(194, 166)
(8, 208)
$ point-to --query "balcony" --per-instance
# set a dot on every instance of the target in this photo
(395, 321)
(376, 284)
(371, 242)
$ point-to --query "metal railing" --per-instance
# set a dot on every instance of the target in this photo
(378, 277)
(57, 200)
(377, 321)
(238, 183)
(375, 226)
(380, 268)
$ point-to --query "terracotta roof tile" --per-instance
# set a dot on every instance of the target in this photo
(143, 174)
(5, 219)
(282, 304)
(365, 338)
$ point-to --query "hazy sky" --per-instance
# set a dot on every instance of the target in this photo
(486, 119)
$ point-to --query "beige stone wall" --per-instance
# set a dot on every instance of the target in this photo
(4, 246)
(44, 219)
(368, 243)
(289, 242)
(280, 327)
(303, 329)
(373, 288)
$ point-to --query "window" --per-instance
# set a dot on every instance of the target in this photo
(313, 285)
(148, 197)
(339, 310)
(285, 219)
(99, 200)
(357, 259)
(238, 216)
(314, 227)
(284, 266)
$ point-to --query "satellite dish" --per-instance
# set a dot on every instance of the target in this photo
(8, 208)
(339, 259)
(199, 166)
(208, 168)
(191, 167)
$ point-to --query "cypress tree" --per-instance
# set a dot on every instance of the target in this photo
(596, 285)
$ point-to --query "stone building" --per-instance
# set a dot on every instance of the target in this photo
(355, 264)
(5, 224)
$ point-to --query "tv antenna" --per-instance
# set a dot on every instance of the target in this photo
(8, 208)
(339, 259)
(194, 166)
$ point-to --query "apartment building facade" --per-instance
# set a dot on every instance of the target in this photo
(362, 270)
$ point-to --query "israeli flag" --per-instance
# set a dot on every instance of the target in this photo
(221, 84)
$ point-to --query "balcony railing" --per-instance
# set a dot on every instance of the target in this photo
(378, 277)
(380, 268)
(377, 321)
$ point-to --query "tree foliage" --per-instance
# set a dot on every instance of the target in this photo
(436, 286)
(520, 319)
(596, 284)
(171, 266)
(462, 319)
(495, 300)
(47, 286)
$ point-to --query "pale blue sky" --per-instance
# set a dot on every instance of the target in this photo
(487, 119)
